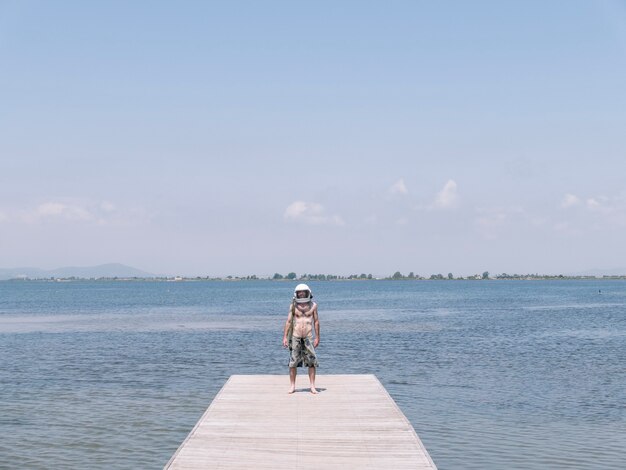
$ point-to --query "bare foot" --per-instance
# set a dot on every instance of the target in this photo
(292, 389)
(313, 390)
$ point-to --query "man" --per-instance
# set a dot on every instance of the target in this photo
(298, 335)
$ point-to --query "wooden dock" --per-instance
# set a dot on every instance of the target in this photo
(254, 423)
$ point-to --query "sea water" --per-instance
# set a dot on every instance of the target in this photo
(492, 374)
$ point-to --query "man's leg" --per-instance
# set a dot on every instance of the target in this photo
(295, 351)
(312, 379)
(292, 379)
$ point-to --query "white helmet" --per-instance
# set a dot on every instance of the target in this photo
(300, 288)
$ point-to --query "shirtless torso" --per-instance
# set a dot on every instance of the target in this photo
(304, 315)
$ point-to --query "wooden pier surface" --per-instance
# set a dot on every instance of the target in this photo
(351, 423)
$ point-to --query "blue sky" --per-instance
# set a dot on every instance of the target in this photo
(253, 137)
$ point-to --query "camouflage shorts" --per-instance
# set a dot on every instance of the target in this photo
(302, 353)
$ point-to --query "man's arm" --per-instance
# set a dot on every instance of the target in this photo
(316, 324)
(286, 329)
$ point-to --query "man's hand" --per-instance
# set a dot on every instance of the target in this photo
(284, 341)
(316, 342)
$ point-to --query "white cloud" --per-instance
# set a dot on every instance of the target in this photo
(593, 204)
(50, 209)
(399, 187)
(601, 212)
(77, 210)
(569, 200)
(603, 209)
(3, 217)
(447, 198)
(66, 211)
(614, 209)
(311, 213)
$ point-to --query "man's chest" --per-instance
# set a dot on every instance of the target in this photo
(304, 313)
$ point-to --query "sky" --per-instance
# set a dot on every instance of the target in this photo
(236, 138)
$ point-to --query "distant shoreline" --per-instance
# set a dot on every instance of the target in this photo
(530, 277)
(122, 272)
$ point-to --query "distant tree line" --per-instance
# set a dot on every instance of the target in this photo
(398, 276)
(292, 276)
(318, 277)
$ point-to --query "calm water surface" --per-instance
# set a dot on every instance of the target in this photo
(492, 375)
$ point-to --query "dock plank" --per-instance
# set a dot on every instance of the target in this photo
(253, 423)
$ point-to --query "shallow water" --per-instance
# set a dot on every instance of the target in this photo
(492, 375)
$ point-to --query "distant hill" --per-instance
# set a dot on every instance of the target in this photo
(103, 270)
